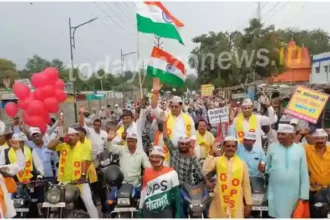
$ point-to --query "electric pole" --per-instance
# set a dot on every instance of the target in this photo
(158, 43)
(259, 11)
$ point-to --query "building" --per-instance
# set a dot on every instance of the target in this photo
(320, 73)
(297, 65)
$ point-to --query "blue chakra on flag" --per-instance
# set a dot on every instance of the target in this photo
(166, 18)
(170, 68)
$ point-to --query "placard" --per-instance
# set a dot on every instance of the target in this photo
(207, 90)
(306, 104)
(218, 115)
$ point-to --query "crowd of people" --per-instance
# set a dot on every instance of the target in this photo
(171, 141)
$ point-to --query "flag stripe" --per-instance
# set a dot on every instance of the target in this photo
(163, 65)
(166, 30)
(161, 6)
(161, 54)
(164, 76)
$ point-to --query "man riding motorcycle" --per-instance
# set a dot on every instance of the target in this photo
(160, 195)
(131, 158)
(74, 159)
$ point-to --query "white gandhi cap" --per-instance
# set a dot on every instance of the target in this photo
(176, 99)
(230, 138)
(34, 130)
(247, 102)
(320, 133)
(284, 128)
(72, 131)
(17, 137)
(131, 136)
(157, 150)
(250, 136)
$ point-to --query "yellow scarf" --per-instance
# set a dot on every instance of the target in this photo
(165, 149)
(119, 133)
(25, 175)
(253, 124)
(2, 204)
(204, 143)
(229, 189)
(91, 171)
(76, 163)
(170, 124)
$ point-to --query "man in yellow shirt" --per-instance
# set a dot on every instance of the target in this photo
(318, 161)
(205, 139)
(74, 158)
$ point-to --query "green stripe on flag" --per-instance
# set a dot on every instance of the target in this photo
(165, 77)
(166, 30)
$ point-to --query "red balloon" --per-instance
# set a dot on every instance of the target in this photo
(51, 105)
(51, 74)
(26, 118)
(36, 121)
(60, 84)
(48, 91)
(47, 118)
(39, 94)
(23, 104)
(38, 80)
(21, 90)
(60, 95)
(36, 107)
(43, 128)
(11, 109)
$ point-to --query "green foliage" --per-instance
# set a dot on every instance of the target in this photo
(8, 72)
(247, 44)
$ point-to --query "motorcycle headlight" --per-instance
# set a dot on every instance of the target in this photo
(124, 201)
(105, 162)
(18, 202)
(318, 205)
(53, 195)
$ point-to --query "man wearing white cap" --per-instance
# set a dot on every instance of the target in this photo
(102, 113)
(178, 122)
(166, 201)
(248, 121)
(232, 185)
(43, 158)
(131, 159)
(250, 154)
(288, 174)
(269, 132)
(74, 159)
(318, 161)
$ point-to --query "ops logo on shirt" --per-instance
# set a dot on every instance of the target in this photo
(154, 187)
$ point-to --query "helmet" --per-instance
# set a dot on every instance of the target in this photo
(113, 175)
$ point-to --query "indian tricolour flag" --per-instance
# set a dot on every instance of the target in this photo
(167, 68)
(154, 18)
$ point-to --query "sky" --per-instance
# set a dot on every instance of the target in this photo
(43, 28)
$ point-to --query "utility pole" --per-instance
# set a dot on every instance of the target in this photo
(158, 43)
(259, 11)
(72, 31)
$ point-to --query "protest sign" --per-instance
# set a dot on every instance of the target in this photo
(218, 115)
(207, 90)
(306, 104)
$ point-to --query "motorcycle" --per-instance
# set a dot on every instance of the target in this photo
(123, 198)
(196, 199)
(259, 197)
(60, 199)
(321, 199)
(22, 199)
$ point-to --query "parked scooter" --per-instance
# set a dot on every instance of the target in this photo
(195, 198)
(259, 197)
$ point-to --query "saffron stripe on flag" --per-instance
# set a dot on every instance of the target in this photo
(161, 6)
(161, 54)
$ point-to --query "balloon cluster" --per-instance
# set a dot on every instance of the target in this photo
(46, 98)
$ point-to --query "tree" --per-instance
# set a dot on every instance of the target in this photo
(227, 59)
(8, 72)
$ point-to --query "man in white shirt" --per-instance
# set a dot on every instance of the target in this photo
(96, 135)
(246, 114)
(131, 159)
(102, 114)
(180, 127)
(270, 133)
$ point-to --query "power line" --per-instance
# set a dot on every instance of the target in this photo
(272, 8)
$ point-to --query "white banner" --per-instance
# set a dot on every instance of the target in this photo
(218, 115)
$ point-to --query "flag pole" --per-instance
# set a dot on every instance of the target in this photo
(139, 72)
